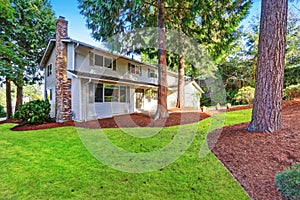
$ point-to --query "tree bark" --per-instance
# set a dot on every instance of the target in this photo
(266, 114)
(162, 107)
(180, 88)
(19, 97)
(8, 99)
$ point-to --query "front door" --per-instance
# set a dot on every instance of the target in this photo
(139, 98)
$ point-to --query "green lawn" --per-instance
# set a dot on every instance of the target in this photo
(54, 164)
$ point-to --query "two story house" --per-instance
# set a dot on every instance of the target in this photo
(84, 82)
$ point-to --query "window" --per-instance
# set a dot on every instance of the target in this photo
(49, 94)
(49, 69)
(122, 93)
(133, 69)
(111, 93)
(102, 61)
(108, 62)
(151, 73)
(98, 60)
(114, 64)
(99, 93)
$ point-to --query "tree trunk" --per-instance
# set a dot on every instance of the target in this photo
(266, 114)
(162, 107)
(8, 99)
(180, 92)
(19, 97)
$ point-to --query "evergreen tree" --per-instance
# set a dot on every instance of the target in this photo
(34, 26)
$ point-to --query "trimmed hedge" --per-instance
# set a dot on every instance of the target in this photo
(34, 112)
(288, 182)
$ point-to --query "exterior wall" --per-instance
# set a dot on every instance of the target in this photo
(82, 109)
(76, 98)
(50, 82)
(172, 99)
(192, 98)
(91, 110)
(82, 63)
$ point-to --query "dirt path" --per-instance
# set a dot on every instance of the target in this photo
(254, 158)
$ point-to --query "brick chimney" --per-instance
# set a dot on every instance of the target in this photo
(63, 85)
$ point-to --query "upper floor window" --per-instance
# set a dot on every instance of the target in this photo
(49, 69)
(134, 69)
(102, 61)
(151, 73)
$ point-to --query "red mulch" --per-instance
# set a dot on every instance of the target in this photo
(132, 120)
(254, 158)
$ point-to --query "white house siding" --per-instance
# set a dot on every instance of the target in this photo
(71, 57)
(172, 99)
(76, 100)
(88, 109)
(82, 63)
(172, 79)
(50, 83)
(78, 59)
(192, 98)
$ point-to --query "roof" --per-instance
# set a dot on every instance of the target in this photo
(108, 78)
(51, 46)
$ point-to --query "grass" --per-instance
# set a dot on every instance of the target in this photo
(54, 164)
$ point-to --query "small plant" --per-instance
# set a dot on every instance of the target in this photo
(34, 112)
(245, 95)
(288, 182)
(2, 111)
(291, 92)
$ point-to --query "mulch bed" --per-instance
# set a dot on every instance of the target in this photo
(130, 120)
(254, 158)
(124, 121)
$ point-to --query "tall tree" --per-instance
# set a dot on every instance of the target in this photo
(197, 19)
(7, 49)
(266, 114)
(35, 25)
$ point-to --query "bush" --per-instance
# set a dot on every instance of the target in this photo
(34, 112)
(288, 182)
(291, 92)
(2, 111)
(245, 95)
(205, 100)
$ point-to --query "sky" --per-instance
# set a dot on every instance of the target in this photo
(77, 24)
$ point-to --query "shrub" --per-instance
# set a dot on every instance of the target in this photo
(34, 112)
(2, 111)
(291, 92)
(288, 182)
(245, 95)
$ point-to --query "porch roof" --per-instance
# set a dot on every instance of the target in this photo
(109, 78)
